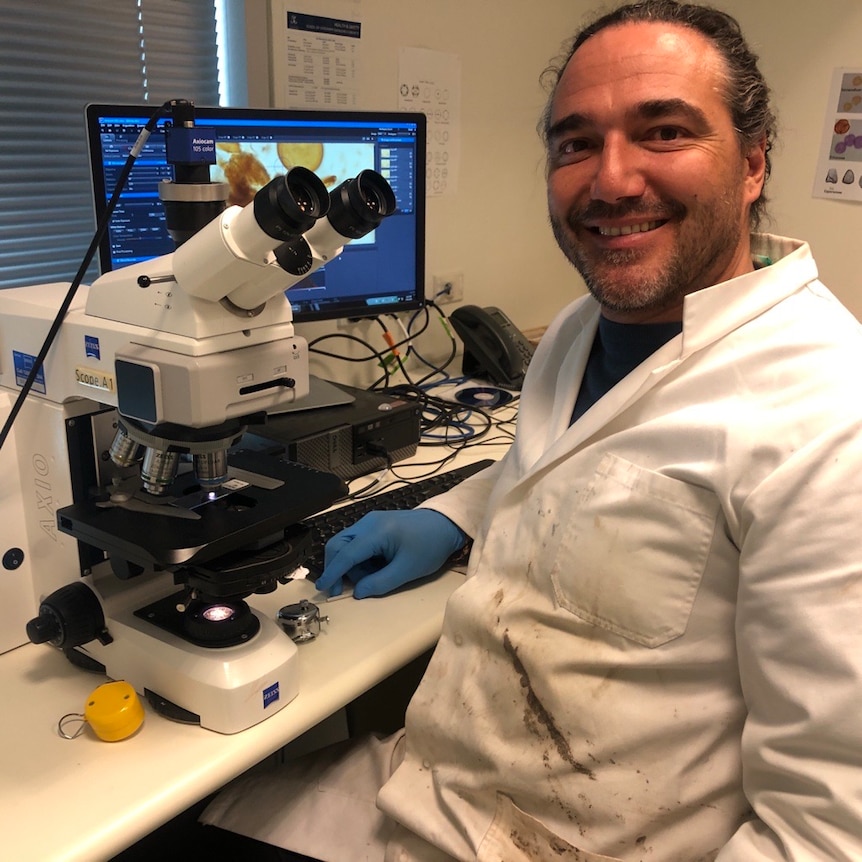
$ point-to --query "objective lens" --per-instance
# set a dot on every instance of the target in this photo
(123, 448)
(159, 469)
(211, 468)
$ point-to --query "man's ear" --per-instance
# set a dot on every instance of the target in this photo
(755, 170)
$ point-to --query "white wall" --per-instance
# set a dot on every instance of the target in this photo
(800, 44)
(494, 229)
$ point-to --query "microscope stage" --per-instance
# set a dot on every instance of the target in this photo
(275, 494)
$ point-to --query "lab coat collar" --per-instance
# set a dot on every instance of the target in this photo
(708, 315)
(713, 312)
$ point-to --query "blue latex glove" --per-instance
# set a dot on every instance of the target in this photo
(385, 550)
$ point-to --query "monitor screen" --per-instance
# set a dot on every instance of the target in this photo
(380, 273)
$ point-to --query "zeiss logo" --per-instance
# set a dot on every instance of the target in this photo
(270, 695)
(91, 347)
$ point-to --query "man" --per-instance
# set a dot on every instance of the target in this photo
(657, 653)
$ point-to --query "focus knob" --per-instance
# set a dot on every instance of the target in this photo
(69, 617)
(44, 628)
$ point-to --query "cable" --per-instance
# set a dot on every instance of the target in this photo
(443, 422)
(444, 321)
(370, 489)
(405, 333)
(393, 355)
(101, 228)
(373, 353)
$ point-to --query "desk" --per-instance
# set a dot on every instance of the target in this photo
(87, 800)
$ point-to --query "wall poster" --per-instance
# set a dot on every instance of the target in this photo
(839, 167)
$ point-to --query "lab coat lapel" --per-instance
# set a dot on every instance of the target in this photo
(545, 432)
(623, 395)
(555, 377)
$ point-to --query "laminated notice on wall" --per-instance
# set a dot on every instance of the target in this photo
(430, 82)
(839, 167)
(315, 53)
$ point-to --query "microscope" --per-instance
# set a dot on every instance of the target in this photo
(137, 523)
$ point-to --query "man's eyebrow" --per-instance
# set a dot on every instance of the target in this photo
(569, 123)
(652, 109)
(655, 109)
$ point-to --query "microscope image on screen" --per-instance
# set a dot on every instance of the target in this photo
(247, 166)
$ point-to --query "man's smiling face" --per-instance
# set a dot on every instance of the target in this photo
(648, 188)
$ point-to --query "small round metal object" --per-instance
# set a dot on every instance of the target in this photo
(301, 620)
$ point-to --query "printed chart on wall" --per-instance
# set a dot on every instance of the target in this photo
(315, 53)
(839, 168)
(430, 82)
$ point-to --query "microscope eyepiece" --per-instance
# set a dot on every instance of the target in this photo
(308, 203)
(290, 204)
(358, 205)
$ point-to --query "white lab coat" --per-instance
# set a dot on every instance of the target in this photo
(657, 654)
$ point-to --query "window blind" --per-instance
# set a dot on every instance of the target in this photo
(53, 61)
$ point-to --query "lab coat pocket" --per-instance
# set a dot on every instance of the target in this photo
(514, 836)
(632, 553)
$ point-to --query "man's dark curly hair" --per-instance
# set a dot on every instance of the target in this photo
(746, 92)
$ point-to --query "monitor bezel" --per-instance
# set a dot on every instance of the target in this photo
(95, 111)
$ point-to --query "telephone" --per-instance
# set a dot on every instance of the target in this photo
(494, 348)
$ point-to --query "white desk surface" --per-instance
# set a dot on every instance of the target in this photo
(84, 799)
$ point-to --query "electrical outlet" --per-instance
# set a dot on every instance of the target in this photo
(448, 288)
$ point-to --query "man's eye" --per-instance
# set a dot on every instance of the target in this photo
(573, 147)
(570, 150)
(665, 133)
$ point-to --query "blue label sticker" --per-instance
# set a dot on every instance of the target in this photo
(321, 24)
(270, 695)
(91, 347)
(190, 146)
(24, 363)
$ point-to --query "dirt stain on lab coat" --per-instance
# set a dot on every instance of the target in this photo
(541, 714)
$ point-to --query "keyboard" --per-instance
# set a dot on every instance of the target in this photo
(325, 525)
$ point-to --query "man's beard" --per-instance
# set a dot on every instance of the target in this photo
(612, 277)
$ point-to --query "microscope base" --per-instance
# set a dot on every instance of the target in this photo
(229, 688)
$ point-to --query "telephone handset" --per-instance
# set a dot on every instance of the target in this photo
(494, 348)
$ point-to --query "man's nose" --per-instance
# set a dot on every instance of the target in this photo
(619, 171)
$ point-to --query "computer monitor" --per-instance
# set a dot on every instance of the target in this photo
(384, 272)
